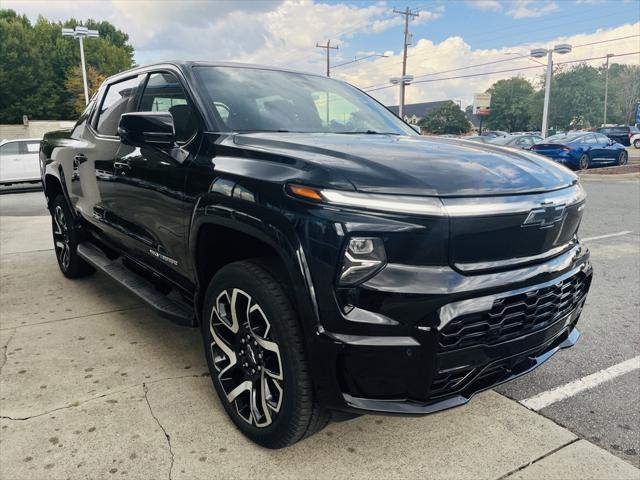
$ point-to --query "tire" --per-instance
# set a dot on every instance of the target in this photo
(65, 241)
(636, 143)
(584, 162)
(259, 354)
(623, 158)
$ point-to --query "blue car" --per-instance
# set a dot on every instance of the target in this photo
(582, 150)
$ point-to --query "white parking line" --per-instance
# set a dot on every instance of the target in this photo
(599, 237)
(544, 399)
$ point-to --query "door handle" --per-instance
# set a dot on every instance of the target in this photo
(121, 166)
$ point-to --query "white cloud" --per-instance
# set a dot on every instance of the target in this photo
(485, 5)
(531, 8)
(454, 53)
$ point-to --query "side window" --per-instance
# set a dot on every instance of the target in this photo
(12, 148)
(601, 138)
(116, 102)
(28, 147)
(163, 93)
(590, 139)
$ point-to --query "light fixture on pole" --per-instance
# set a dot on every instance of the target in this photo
(80, 33)
(539, 53)
(402, 81)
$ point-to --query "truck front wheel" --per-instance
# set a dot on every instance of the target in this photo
(255, 352)
(65, 241)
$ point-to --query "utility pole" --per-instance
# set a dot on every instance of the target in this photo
(328, 48)
(606, 87)
(80, 33)
(407, 41)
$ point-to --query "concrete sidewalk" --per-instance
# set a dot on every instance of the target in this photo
(95, 385)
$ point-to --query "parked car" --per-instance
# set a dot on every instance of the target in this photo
(19, 161)
(582, 150)
(621, 134)
(516, 141)
(336, 264)
(494, 133)
(478, 138)
(635, 140)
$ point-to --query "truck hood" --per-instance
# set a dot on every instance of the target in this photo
(414, 165)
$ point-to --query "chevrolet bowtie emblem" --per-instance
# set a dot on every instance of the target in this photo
(544, 217)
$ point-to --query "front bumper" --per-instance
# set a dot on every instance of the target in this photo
(474, 332)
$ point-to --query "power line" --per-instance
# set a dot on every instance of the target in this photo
(328, 48)
(359, 59)
(508, 70)
(500, 61)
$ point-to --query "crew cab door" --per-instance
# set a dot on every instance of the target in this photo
(149, 191)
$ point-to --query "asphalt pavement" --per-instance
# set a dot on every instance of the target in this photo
(94, 385)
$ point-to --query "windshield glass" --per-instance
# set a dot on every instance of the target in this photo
(563, 138)
(251, 99)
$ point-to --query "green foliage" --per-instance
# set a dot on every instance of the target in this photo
(510, 105)
(577, 99)
(36, 63)
(446, 119)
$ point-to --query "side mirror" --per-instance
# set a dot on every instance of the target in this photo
(143, 129)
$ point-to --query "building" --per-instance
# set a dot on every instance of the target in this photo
(414, 112)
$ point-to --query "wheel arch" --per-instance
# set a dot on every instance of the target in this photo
(211, 235)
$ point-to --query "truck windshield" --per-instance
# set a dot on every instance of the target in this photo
(259, 100)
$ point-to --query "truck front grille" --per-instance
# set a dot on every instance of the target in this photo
(515, 316)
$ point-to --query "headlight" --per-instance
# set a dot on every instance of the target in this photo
(362, 258)
(413, 205)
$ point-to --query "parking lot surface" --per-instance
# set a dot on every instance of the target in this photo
(93, 384)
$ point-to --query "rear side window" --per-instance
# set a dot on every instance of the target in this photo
(602, 138)
(12, 148)
(31, 147)
(590, 139)
(116, 101)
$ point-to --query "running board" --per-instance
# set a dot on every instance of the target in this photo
(173, 310)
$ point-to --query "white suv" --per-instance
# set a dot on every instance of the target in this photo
(19, 161)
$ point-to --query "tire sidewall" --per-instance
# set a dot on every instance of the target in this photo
(623, 158)
(636, 143)
(586, 162)
(282, 318)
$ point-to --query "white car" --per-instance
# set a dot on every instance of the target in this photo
(19, 161)
(635, 140)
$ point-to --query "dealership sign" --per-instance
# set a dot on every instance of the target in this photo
(481, 104)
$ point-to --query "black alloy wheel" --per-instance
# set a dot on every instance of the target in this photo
(623, 158)
(65, 241)
(585, 161)
(255, 352)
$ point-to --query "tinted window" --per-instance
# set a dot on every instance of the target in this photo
(30, 147)
(269, 100)
(601, 138)
(115, 103)
(564, 138)
(12, 148)
(163, 93)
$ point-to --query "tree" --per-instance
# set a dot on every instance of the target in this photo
(75, 86)
(36, 61)
(447, 118)
(510, 105)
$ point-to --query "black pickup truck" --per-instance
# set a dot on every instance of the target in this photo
(336, 262)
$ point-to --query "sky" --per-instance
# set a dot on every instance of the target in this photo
(448, 36)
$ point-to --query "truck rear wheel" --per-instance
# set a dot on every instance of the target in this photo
(255, 352)
(65, 241)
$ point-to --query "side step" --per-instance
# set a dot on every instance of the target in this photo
(173, 310)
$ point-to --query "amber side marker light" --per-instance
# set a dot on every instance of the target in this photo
(305, 192)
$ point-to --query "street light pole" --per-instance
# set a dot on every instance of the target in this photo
(547, 94)
(539, 53)
(606, 87)
(80, 33)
